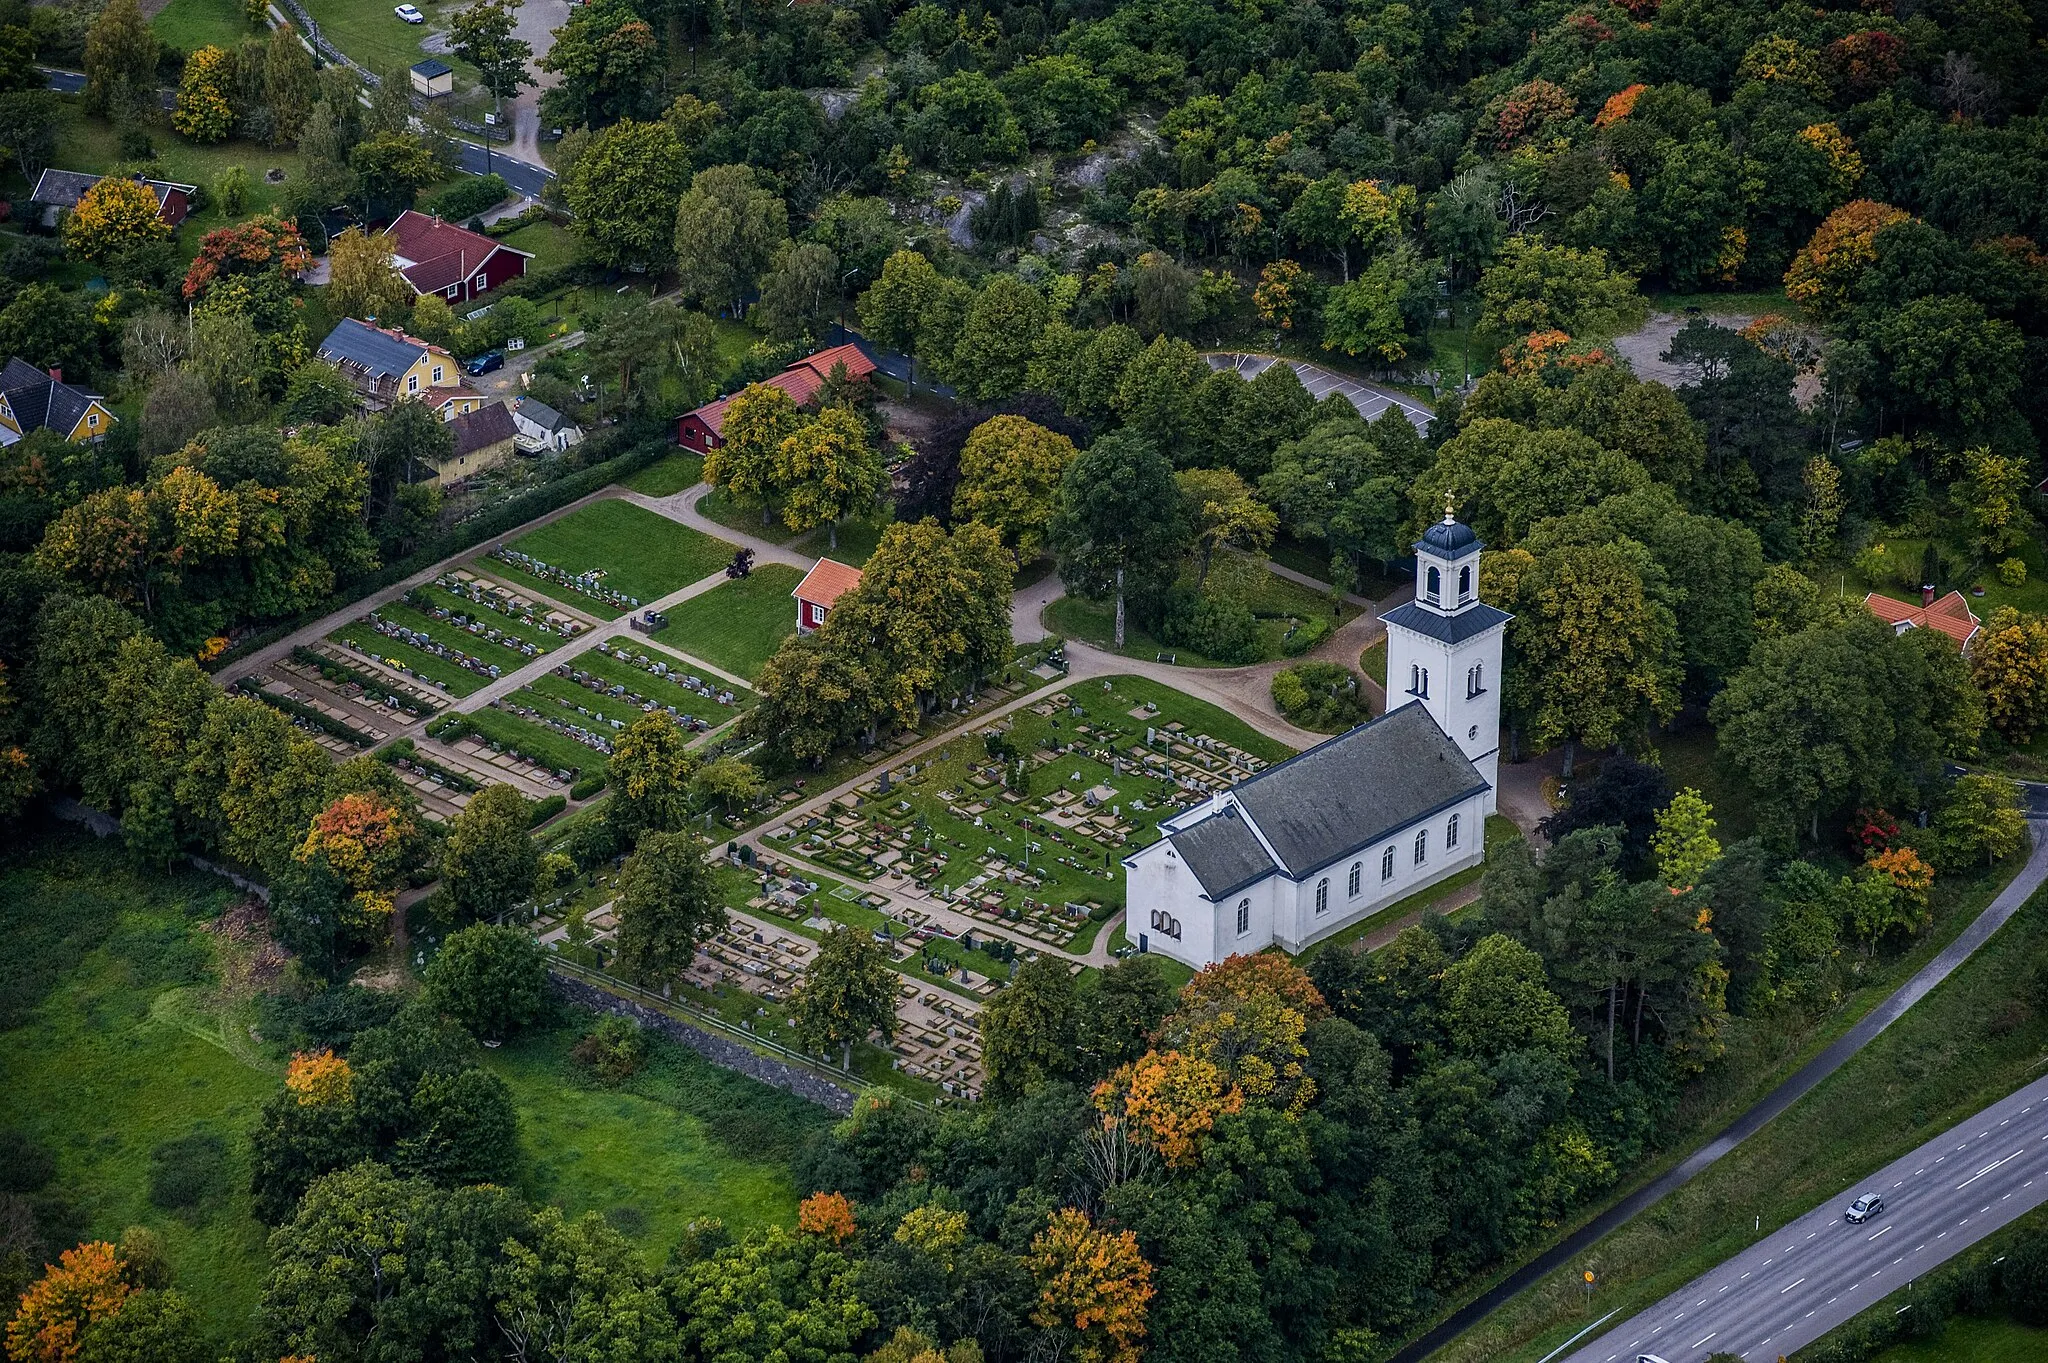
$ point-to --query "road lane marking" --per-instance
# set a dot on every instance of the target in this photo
(1696, 1343)
(1885, 1231)
(1783, 1290)
(1987, 1169)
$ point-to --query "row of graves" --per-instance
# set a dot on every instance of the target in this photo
(521, 704)
(589, 584)
(489, 597)
(425, 642)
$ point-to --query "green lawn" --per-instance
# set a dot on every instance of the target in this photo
(559, 751)
(738, 626)
(641, 553)
(1962, 1047)
(1276, 600)
(1499, 830)
(2031, 596)
(455, 681)
(110, 1050)
(661, 689)
(669, 476)
(1689, 760)
(380, 40)
(857, 538)
(189, 25)
(680, 1141)
(1373, 662)
(91, 144)
(552, 247)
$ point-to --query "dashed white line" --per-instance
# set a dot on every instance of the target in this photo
(1696, 1343)
(1783, 1290)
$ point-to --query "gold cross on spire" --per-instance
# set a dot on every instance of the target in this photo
(1448, 517)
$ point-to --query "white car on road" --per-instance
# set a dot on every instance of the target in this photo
(410, 13)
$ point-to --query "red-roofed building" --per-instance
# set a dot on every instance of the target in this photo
(704, 429)
(1951, 615)
(457, 264)
(824, 584)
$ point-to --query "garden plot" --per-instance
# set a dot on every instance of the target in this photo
(609, 558)
(1025, 826)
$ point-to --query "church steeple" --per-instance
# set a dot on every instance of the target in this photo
(1447, 565)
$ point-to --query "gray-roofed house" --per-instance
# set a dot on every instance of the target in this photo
(60, 190)
(1339, 832)
(32, 399)
(386, 365)
(541, 427)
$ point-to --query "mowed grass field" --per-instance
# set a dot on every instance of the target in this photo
(641, 553)
(668, 476)
(110, 1048)
(738, 626)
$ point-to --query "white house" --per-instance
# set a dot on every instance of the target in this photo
(1354, 824)
(541, 427)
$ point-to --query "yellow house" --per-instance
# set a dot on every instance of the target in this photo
(33, 399)
(386, 366)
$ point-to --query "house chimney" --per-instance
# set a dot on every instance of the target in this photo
(56, 374)
(1927, 593)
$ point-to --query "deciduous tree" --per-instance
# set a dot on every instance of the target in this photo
(1094, 1287)
(1029, 1029)
(1010, 472)
(491, 979)
(650, 770)
(1119, 527)
(489, 861)
(847, 991)
(827, 470)
(727, 228)
(624, 189)
(666, 905)
(364, 279)
(112, 216)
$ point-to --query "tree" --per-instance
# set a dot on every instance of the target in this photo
(1119, 524)
(1222, 513)
(261, 246)
(203, 112)
(638, 344)
(489, 861)
(1029, 1029)
(291, 86)
(493, 980)
(623, 190)
(649, 773)
(254, 783)
(1536, 288)
(996, 344)
(1010, 473)
(120, 60)
(727, 228)
(666, 905)
(1985, 816)
(1152, 394)
(1684, 842)
(1841, 248)
(2009, 664)
(115, 214)
(485, 36)
(775, 1296)
(847, 991)
(579, 1290)
(1947, 363)
(151, 1327)
(1093, 1286)
(1496, 1001)
(1991, 495)
(897, 307)
(1122, 1011)
(728, 781)
(827, 470)
(1364, 317)
(363, 279)
(609, 63)
(85, 1286)
(390, 168)
(800, 292)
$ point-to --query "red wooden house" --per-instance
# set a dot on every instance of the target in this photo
(704, 429)
(440, 258)
(824, 584)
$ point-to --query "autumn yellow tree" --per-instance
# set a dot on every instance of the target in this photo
(364, 281)
(757, 420)
(2009, 663)
(113, 215)
(827, 470)
(1094, 1283)
(365, 841)
(203, 112)
(1010, 471)
(1839, 250)
(86, 1284)
(1247, 1016)
(320, 1079)
(1170, 1101)
(1281, 293)
(1224, 513)
(1377, 213)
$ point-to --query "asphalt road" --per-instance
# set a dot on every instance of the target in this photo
(524, 178)
(1802, 1280)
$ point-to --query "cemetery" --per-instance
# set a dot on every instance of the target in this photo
(608, 558)
(441, 653)
(740, 625)
(1023, 825)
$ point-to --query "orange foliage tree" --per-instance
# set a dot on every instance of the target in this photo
(1619, 105)
(1528, 108)
(252, 247)
(1839, 250)
(829, 1215)
(366, 841)
(1282, 291)
(1904, 868)
(320, 1078)
(84, 1285)
(1170, 1101)
(1094, 1282)
(1246, 1015)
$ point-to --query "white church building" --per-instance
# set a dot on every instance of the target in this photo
(1339, 832)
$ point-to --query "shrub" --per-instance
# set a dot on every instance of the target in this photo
(612, 1050)
(1306, 636)
(471, 196)
(1325, 697)
(543, 810)
(587, 787)
(1215, 626)
(2013, 572)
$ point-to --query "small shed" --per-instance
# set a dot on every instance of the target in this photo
(825, 583)
(433, 78)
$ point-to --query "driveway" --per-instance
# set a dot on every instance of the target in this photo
(538, 20)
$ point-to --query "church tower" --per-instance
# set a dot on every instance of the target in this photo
(1444, 647)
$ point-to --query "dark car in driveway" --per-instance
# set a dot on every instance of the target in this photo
(486, 362)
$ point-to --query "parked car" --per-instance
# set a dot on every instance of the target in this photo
(410, 13)
(1863, 1208)
(486, 362)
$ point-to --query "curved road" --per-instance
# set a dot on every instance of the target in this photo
(1994, 917)
(1804, 1279)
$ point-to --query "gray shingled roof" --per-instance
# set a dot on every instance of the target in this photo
(543, 416)
(1223, 853)
(61, 188)
(1357, 788)
(39, 400)
(363, 345)
(1475, 619)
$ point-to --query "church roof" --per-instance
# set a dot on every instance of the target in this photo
(1449, 539)
(1473, 620)
(1223, 853)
